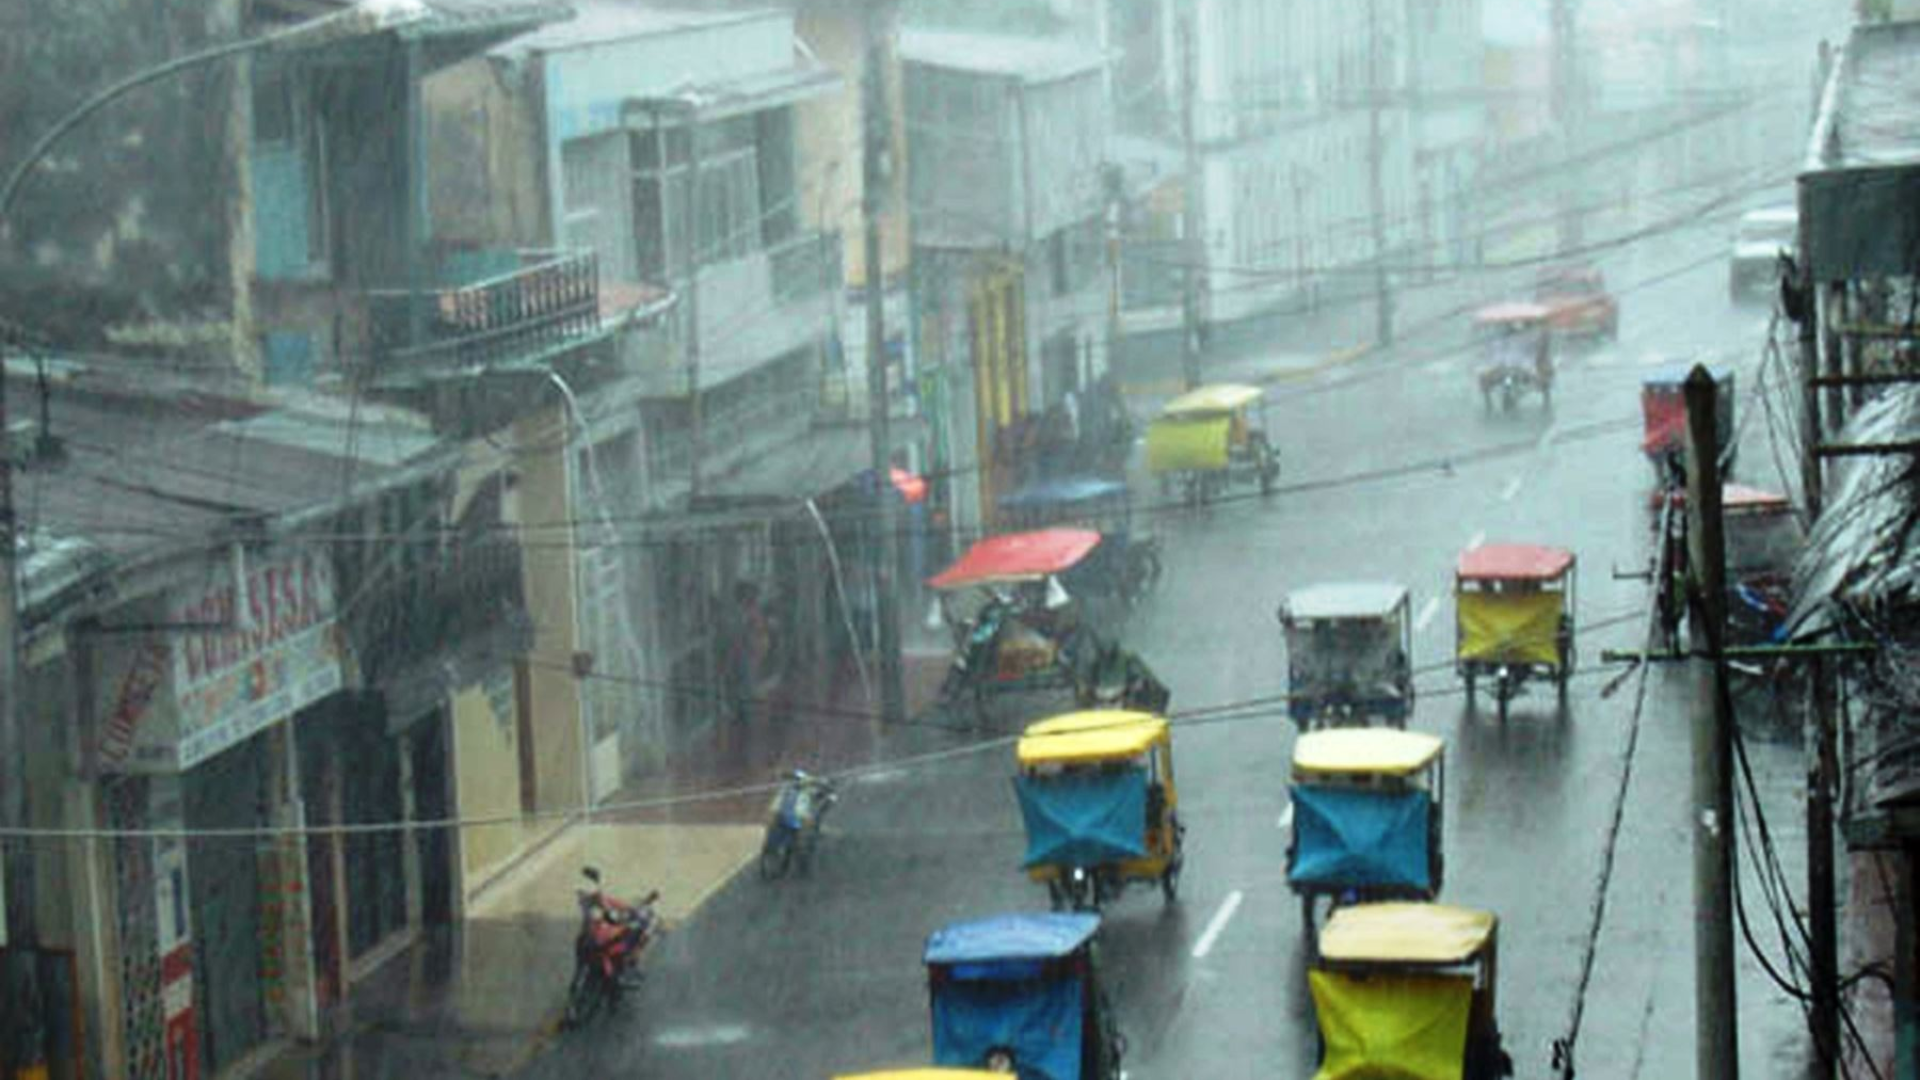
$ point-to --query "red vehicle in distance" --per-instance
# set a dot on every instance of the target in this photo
(1578, 303)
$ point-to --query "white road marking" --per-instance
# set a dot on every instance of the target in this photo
(1286, 817)
(1478, 539)
(1513, 488)
(714, 1035)
(1218, 923)
(1427, 611)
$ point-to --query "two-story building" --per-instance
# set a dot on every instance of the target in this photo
(1008, 192)
(701, 154)
(1282, 104)
(302, 546)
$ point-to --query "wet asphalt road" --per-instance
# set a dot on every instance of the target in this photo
(803, 979)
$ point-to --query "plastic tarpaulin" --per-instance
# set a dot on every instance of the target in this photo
(1039, 1021)
(1513, 628)
(1344, 837)
(1084, 818)
(1173, 445)
(1408, 1027)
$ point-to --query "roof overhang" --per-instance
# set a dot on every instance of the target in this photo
(727, 98)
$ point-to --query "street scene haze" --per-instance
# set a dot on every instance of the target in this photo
(917, 539)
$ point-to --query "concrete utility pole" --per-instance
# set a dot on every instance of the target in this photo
(1564, 101)
(1823, 1018)
(1718, 1039)
(690, 254)
(875, 130)
(1193, 247)
(1376, 183)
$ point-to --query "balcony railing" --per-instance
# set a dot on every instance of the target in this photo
(548, 299)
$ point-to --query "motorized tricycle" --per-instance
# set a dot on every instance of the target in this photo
(1516, 354)
(1206, 438)
(1015, 626)
(1514, 606)
(1367, 807)
(1125, 565)
(1097, 795)
(1663, 414)
(1577, 302)
(1407, 989)
(1021, 993)
(1763, 536)
(1349, 655)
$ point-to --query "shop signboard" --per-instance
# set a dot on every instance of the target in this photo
(281, 654)
(222, 661)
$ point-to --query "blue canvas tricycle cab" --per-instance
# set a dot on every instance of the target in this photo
(1023, 986)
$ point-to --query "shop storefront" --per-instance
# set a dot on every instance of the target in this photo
(193, 733)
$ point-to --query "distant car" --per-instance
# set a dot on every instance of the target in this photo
(1577, 303)
(1763, 235)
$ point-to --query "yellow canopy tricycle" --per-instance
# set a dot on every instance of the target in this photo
(1407, 990)
(1367, 806)
(1097, 795)
(1514, 606)
(1207, 437)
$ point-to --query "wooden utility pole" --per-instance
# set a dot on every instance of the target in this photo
(875, 128)
(1718, 1034)
(1192, 229)
(1376, 183)
(1823, 1018)
(21, 1044)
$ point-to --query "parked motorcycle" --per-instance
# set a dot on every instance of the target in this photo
(793, 823)
(606, 952)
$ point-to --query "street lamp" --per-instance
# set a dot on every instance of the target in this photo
(22, 1050)
(362, 19)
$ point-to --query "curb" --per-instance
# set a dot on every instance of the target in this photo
(1337, 358)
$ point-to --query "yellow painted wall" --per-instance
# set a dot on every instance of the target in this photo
(486, 755)
(539, 499)
(827, 137)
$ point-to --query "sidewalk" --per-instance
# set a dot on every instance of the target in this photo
(481, 1000)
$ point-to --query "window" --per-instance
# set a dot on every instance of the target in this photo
(728, 212)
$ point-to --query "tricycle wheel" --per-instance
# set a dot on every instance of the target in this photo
(1470, 687)
(1502, 697)
(1307, 931)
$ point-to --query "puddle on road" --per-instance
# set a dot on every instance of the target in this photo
(712, 1035)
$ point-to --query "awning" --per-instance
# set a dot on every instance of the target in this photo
(735, 97)
(813, 464)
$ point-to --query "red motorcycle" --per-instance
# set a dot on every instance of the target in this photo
(606, 952)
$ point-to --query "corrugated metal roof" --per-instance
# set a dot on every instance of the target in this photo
(1864, 545)
(1027, 59)
(146, 477)
(596, 23)
(1870, 111)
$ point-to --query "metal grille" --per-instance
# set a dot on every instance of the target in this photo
(142, 1017)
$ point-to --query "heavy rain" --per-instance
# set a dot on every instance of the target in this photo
(812, 539)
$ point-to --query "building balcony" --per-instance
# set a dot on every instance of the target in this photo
(487, 309)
